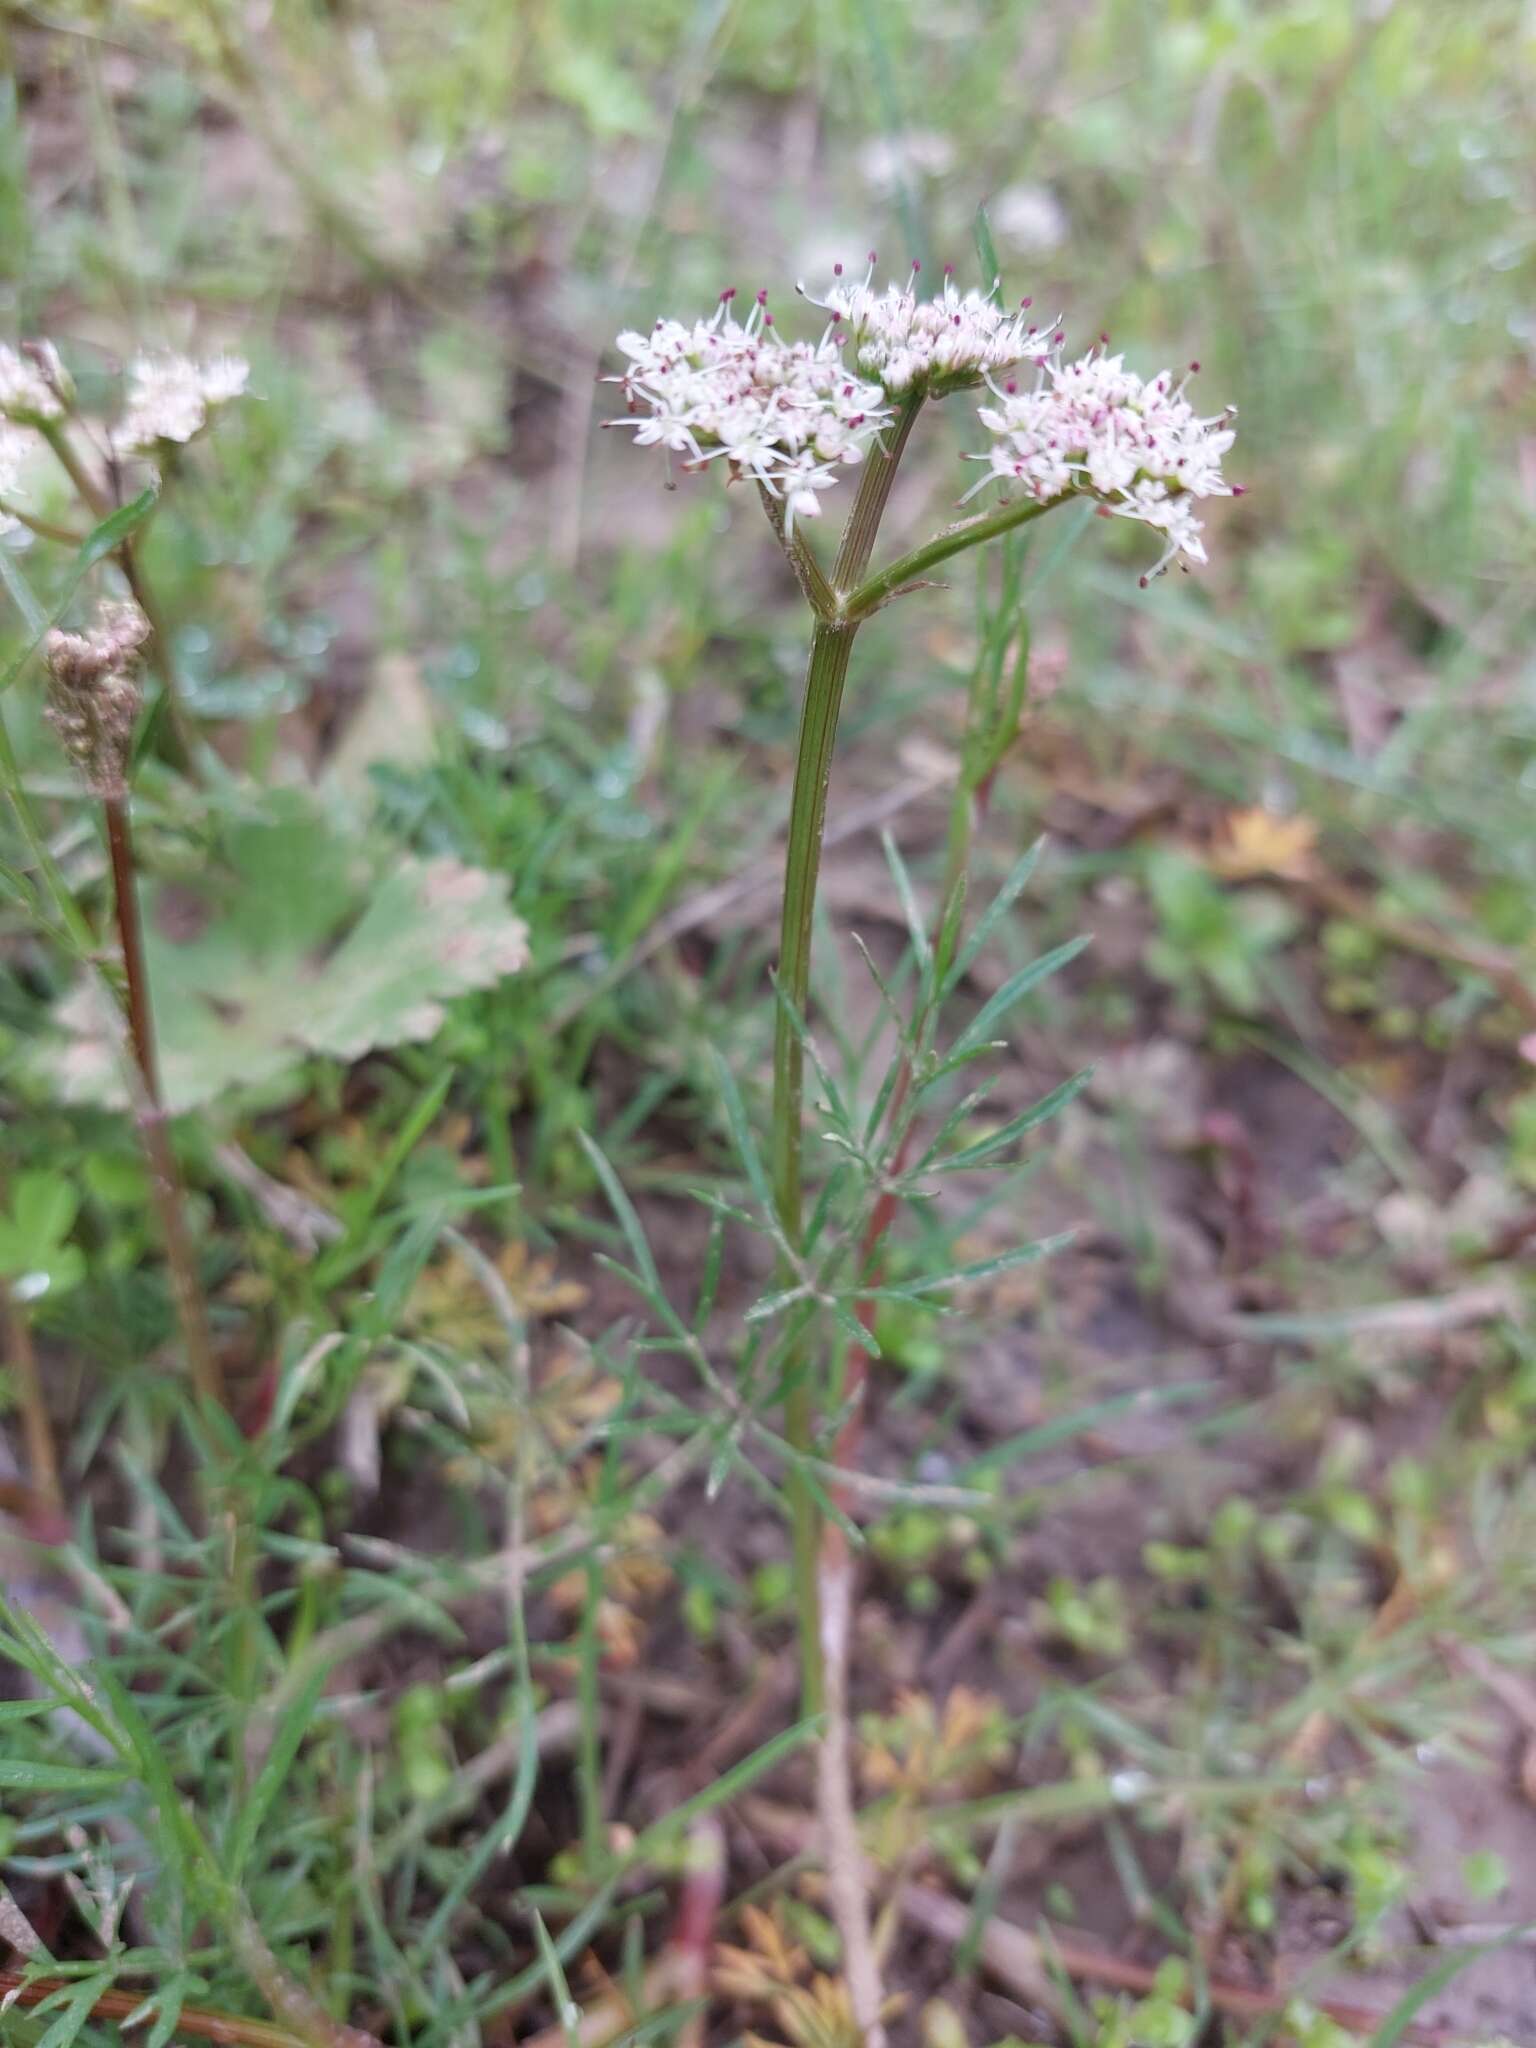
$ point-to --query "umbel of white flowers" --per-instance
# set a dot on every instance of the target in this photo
(169, 399)
(786, 413)
(791, 414)
(172, 400)
(1095, 428)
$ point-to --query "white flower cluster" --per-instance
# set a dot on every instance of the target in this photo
(171, 398)
(1094, 427)
(932, 345)
(30, 384)
(784, 413)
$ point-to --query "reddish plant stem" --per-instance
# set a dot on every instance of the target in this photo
(845, 1452)
(130, 932)
(150, 1117)
(693, 1935)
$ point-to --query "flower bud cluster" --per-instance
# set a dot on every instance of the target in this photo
(93, 694)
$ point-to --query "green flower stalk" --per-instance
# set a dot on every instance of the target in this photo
(795, 417)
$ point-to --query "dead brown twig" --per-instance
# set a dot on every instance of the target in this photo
(198, 2022)
(846, 1866)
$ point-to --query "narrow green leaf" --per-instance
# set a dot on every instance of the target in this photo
(117, 527)
(991, 1013)
(986, 249)
(1009, 894)
(72, 2009)
(773, 1304)
(624, 1211)
(724, 1789)
(286, 1740)
(1402, 2016)
(887, 998)
(917, 927)
(709, 1278)
(418, 1122)
(855, 1332)
(949, 927)
(100, 542)
(822, 1214)
(19, 1775)
(567, 2011)
(948, 1066)
(962, 1112)
(1046, 1435)
(979, 1269)
(20, 592)
(23, 1710)
(168, 2001)
(741, 1136)
(987, 1148)
(659, 2026)
(132, 1734)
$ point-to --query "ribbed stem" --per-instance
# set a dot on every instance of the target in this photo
(831, 647)
(863, 528)
(826, 674)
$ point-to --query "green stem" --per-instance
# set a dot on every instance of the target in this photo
(589, 1777)
(72, 920)
(43, 528)
(991, 727)
(970, 533)
(826, 674)
(831, 647)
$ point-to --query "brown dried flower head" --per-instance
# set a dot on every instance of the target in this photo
(93, 694)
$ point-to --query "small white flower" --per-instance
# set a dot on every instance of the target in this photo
(1094, 427)
(30, 384)
(782, 413)
(14, 450)
(801, 483)
(171, 398)
(1029, 217)
(888, 162)
(931, 345)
